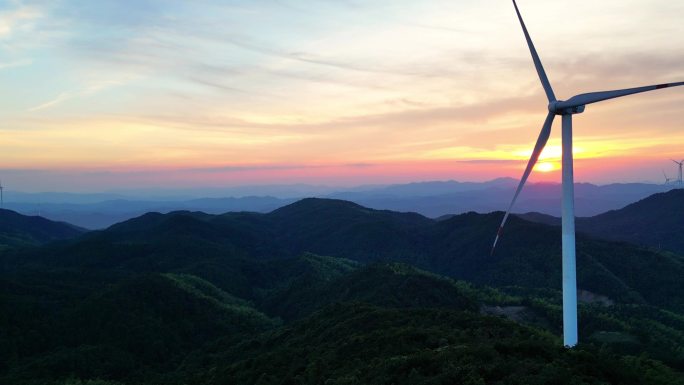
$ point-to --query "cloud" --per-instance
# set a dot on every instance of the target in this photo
(417, 119)
(17, 19)
(490, 161)
(324, 81)
(265, 167)
(59, 99)
(15, 63)
(68, 95)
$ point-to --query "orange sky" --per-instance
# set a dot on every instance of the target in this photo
(140, 94)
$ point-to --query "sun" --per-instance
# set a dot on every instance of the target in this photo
(546, 167)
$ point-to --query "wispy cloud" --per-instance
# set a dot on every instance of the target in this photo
(291, 83)
(17, 19)
(15, 63)
(68, 95)
(59, 99)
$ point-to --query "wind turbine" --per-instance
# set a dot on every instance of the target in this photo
(679, 179)
(667, 180)
(566, 109)
(2, 200)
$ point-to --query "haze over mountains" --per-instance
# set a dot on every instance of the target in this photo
(432, 199)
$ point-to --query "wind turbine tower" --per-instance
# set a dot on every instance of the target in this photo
(566, 109)
(679, 178)
(2, 199)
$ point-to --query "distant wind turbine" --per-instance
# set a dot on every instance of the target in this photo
(2, 199)
(565, 108)
(680, 163)
(667, 180)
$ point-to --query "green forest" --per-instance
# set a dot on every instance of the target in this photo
(329, 292)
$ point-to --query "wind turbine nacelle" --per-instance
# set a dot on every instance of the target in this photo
(558, 108)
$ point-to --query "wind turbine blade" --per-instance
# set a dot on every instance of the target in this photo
(593, 97)
(541, 142)
(535, 58)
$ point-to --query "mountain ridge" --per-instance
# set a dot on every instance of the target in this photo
(429, 198)
(20, 230)
(458, 247)
(656, 221)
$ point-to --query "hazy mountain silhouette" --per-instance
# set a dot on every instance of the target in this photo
(432, 199)
(435, 199)
(102, 214)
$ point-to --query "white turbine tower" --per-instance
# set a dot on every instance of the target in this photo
(679, 179)
(667, 180)
(565, 108)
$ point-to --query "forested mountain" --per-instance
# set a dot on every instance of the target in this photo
(316, 319)
(189, 297)
(22, 230)
(656, 221)
(362, 344)
(214, 246)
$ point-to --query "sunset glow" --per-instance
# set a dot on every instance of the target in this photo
(131, 93)
(546, 167)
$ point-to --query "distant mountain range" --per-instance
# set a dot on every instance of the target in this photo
(432, 199)
(105, 213)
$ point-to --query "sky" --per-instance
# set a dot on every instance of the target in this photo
(100, 95)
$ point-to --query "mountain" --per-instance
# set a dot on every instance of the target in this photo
(431, 198)
(18, 230)
(131, 329)
(656, 221)
(435, 199)
(423, 189)
(189, 297)
(345, 229)
(395, 285)
(101, 214)
(542, 218)
(216, 248)
(372, 324)
(361, 344)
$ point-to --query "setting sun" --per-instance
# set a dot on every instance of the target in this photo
(546, 167)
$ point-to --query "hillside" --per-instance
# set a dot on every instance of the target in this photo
(656, 221)
(190, 297)
(131, 329)
(216, 247)
(345, 229)
(21, 230)
(360, 344)
(342, 322)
